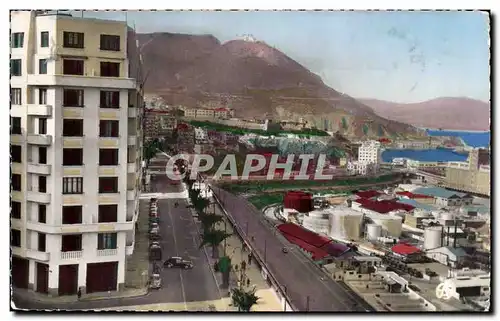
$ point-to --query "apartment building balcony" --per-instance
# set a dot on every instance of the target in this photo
(109, 113)
(16, 168)
(80, 228)
(40, 169)
(72, 112)
(107, 252)
(73, 141)
(132, 140)
(129, 249)
(71, 255)
(38, 139)
(109, 170)
(132, 112)
(37, 197)
(17, 251)
(81, 81)
(39, 110)
(37, 255)
(109, 141)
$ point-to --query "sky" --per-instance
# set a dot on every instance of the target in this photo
(396, 56)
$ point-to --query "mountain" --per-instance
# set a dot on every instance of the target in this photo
(458, 113)
(254, 79)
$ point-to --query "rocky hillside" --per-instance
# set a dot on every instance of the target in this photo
(254, 79)
(448, 113)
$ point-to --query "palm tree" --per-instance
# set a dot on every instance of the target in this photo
(149, 150)
(244, 300)
(209, 220)
(213, 238)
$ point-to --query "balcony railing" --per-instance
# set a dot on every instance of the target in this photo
(71, 255)
(107, 252)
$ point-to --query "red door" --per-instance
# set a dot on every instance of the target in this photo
(42, 278)
(68, 279)
(102, 277)
(20, 272)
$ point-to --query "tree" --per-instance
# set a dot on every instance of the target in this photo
(366, 129)
(344, 123)
(209, 220)
(244, 300)
(213, 238)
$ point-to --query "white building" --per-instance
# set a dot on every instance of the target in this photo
(361, 168)
(370, 152)
(200, 134)
(75, 167)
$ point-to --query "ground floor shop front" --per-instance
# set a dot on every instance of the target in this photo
(66, 279)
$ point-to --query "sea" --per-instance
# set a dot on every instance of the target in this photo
(472, 139)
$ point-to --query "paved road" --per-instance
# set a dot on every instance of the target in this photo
(179, 239)
(307, 286)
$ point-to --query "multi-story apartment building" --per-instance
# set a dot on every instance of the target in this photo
(75, 142)
(369, 152)
(472, 176)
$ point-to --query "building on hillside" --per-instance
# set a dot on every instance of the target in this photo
(370, 152)
(76, 132)
(472, 176)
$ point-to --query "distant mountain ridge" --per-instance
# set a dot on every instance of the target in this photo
(459, 113)
(256, 80)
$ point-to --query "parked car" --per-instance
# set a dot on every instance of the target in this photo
(179, 262)
(155, 281)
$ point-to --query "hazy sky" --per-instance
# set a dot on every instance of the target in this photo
(397, 56)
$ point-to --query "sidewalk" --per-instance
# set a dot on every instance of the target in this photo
(39, 297)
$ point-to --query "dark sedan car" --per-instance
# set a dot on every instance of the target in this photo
(178, 262)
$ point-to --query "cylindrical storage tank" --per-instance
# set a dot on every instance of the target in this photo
(346, 223)
(391, 225)
(317, 221)
(432, 238)
(373, 232)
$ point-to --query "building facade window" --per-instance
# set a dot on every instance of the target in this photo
(110, 69)
(72, 127)
(73, 40)
(110, 99)
(108, 184)
(16, 153)
(109, 128)
(108, 213)
(15, 210)
(72, 156)
(73, 67)
(17, 40)
(42, 96)
(15, 237)
(44, 39)
(72, 214)
(73, 98)
(42, 184)
(106, 241)
(16, 125)
(42, 66)
(41, 242)
(16, 67)
(42, 126)
(42, 155)
(71, 242)
(72, 185)
(16, 96)
(109, 42)
(42, 213)
(108, 156)
(16, 182)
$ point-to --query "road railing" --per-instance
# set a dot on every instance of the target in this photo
(281, 290)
